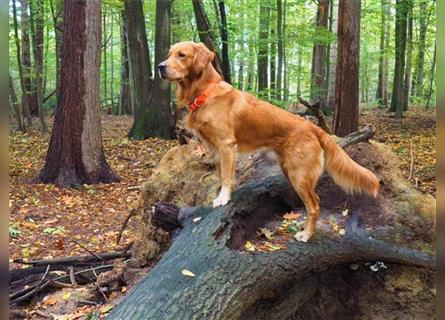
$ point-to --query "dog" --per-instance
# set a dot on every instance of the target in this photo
(228, 121)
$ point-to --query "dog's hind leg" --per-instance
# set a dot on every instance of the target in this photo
(303, 172)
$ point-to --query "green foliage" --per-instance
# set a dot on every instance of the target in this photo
(243, 20)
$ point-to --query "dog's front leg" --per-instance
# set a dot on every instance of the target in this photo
(227, 168)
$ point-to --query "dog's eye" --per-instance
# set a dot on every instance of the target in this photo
(181, 55)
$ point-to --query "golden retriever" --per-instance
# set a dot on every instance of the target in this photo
(228, 120)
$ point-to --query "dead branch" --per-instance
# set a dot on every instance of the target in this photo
(124, 224)
(317, 112)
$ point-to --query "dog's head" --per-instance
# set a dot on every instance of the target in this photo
(185, 59)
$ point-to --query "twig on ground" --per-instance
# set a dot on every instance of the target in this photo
(99, 288)
(72, 278)
(89, 251)
(412, 160)
(124, 225)
(37, 287)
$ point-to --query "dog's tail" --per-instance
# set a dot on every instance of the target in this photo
(347, 173)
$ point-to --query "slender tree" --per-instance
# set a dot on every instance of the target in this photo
(272, 51)
(424, 16)
(346, 112)
(25, 102)
(36, 21)
(319, 56)
(75, 154)
(224, 42)
(332, 56)
(125, 90)
(251, 64)
(381, 94)
(15, 106)
(57, 17)
(402, 7)
(162, 122)
(433, 72)
(280, 48)
(262, 54)
(30, 84)
(207, 36)
(409, 54)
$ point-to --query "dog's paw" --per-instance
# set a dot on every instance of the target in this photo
(303, 236)
(221, 200)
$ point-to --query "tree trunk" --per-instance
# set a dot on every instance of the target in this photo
(75, 154)
(346, 112)
(433, 72)
(112, 60)
(36, 21)
(25, 102)
(224, 42)
(30, 84)
(299, 67)
(125, 91)
(251, 64)
(409, 54)
(385, 79)
(263, 39)
(241, 50)
(332, 56)
(56, 14)
(273, 53)
(15, 105)
(280, 47)
(400, 48)
(162, 122)
(207, 36)
(379, 96)
(140, 70)
(319, 57)
(285, 71)
(104, 46)
(423, 26)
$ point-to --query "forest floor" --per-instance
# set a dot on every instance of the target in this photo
(47, 221)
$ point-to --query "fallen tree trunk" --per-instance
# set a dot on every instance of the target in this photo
(207, 274)
(230, 284)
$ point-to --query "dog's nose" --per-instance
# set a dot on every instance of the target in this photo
(162, 66)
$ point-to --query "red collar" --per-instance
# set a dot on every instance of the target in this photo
(202, 98)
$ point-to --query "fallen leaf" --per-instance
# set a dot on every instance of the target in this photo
(66, 295)
(342, 232)
(105, 308)
(267, 233)
(345, 212)
(249, 246)
(50, 300)
(292, 216)
(196, 219)
(187, 273)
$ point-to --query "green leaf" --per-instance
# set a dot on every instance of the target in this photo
(56, 230)
(14, 232)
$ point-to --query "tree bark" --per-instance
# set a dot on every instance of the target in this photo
(207, 36)
(409, 54)
(224, 42)
(346, 112)
(400, 50)
(420, 63)
(36, 21)
(25, 102)
(57, 16)
(162, 122)
(280, 48)
(15, 105)
(141, 81)
(125, 103)
(30, 83)
(251, 64)
(381, 88)
(75, 154)
(319, 57)
(433, 72)
(272, 53)
(263, 39)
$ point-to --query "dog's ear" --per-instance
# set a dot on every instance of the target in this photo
(203, 57)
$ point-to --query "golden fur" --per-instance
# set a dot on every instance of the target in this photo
(232, 121)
